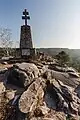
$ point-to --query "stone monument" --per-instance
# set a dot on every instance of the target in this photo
(26, 45)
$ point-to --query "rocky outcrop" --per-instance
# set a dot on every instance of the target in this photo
(41, 93)
(64, 98)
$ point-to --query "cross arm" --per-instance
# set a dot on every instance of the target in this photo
(25, 13)
(26, 17)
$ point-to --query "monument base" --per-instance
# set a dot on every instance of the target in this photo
(28, 52)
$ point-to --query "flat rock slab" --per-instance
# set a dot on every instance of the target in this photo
(64, 77)
(30, 98)
(74, 74)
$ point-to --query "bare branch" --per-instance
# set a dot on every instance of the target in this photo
(5, 38)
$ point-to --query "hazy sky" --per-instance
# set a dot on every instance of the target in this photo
(54, 23)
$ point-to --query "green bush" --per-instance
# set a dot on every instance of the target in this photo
(63, 58)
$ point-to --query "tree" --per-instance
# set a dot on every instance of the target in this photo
(63, 58)
(5, 40)
(76, 63)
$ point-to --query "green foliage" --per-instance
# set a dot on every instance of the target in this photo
(63, 58)
(76, 63)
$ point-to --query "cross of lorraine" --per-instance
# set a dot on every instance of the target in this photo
(26, 16)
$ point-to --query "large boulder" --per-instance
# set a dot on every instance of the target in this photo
(17, 77)
(57, 95)
(22, 75)
(32, 97)
(29, 68)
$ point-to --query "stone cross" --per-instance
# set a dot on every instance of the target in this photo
(26, 16)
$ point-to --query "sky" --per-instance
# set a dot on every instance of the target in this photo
(54, 23)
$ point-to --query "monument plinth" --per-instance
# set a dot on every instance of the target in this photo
(26, 45)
